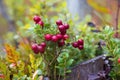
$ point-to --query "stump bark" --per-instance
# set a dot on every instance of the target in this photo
(89, 70)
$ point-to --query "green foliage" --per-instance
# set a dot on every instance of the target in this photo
(4, 69)
(55, 61)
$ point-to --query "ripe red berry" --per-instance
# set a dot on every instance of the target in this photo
(48, 37)
(61, 28)
(59, 36)
(41, 49)
(65, 36)
(41, 23)
(66, 26)
(36, 51)
(54, 38)
(61, 43)
(43, 44)
(36, 19)
(75, 44)
(119, 60)
(80, 42)
(63, 32)
(35, 48)
(59, 22)
(80, 47)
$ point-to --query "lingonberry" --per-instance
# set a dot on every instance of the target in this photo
(36, 19)
(119, 60)
(63, 32)
(48, 37)
(41, 23)
(66, 26)
(80, 47)
(54, 38)
(43, 44)
(80, 42)
(59, 36)
(34, 46)
(41, 49)
(65, 36)
(75, 44)
(61, 28)
(61, 43)
(59, 22)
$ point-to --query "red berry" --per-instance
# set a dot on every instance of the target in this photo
(61, 28)
(48, 37)
(66, 26)
(54, 38)
(59, 36)
(61, 43)
(75, 44)
(43, 44)
(80, 42)
(65, 36)
(59, 22)
(41, 49)
(41, 23)
(119, 60)
(36, 19)
(35, 48)
(80, 47)
(36, 51)
(63, 32)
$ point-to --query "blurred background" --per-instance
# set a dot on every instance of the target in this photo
(16, 15)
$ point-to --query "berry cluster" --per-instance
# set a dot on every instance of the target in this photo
(59, 37)
(38, 21)
(62, 27)
(39, 47)
(79, 44)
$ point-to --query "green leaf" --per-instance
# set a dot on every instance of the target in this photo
(68, 71)
(69, 62)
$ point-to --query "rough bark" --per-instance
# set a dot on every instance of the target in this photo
(89, 70)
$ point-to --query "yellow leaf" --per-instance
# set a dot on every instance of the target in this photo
(26, 27)
(12, 54)
(32, 60)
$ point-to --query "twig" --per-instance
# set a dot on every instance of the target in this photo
(55, 57)
(55, 77)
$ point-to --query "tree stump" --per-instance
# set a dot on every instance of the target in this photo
(93, 69)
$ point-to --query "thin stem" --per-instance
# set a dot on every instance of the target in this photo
(47, 65)
(59, 77)
(44, 59)
(65, 71)
(55, 77)
(54, 59)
